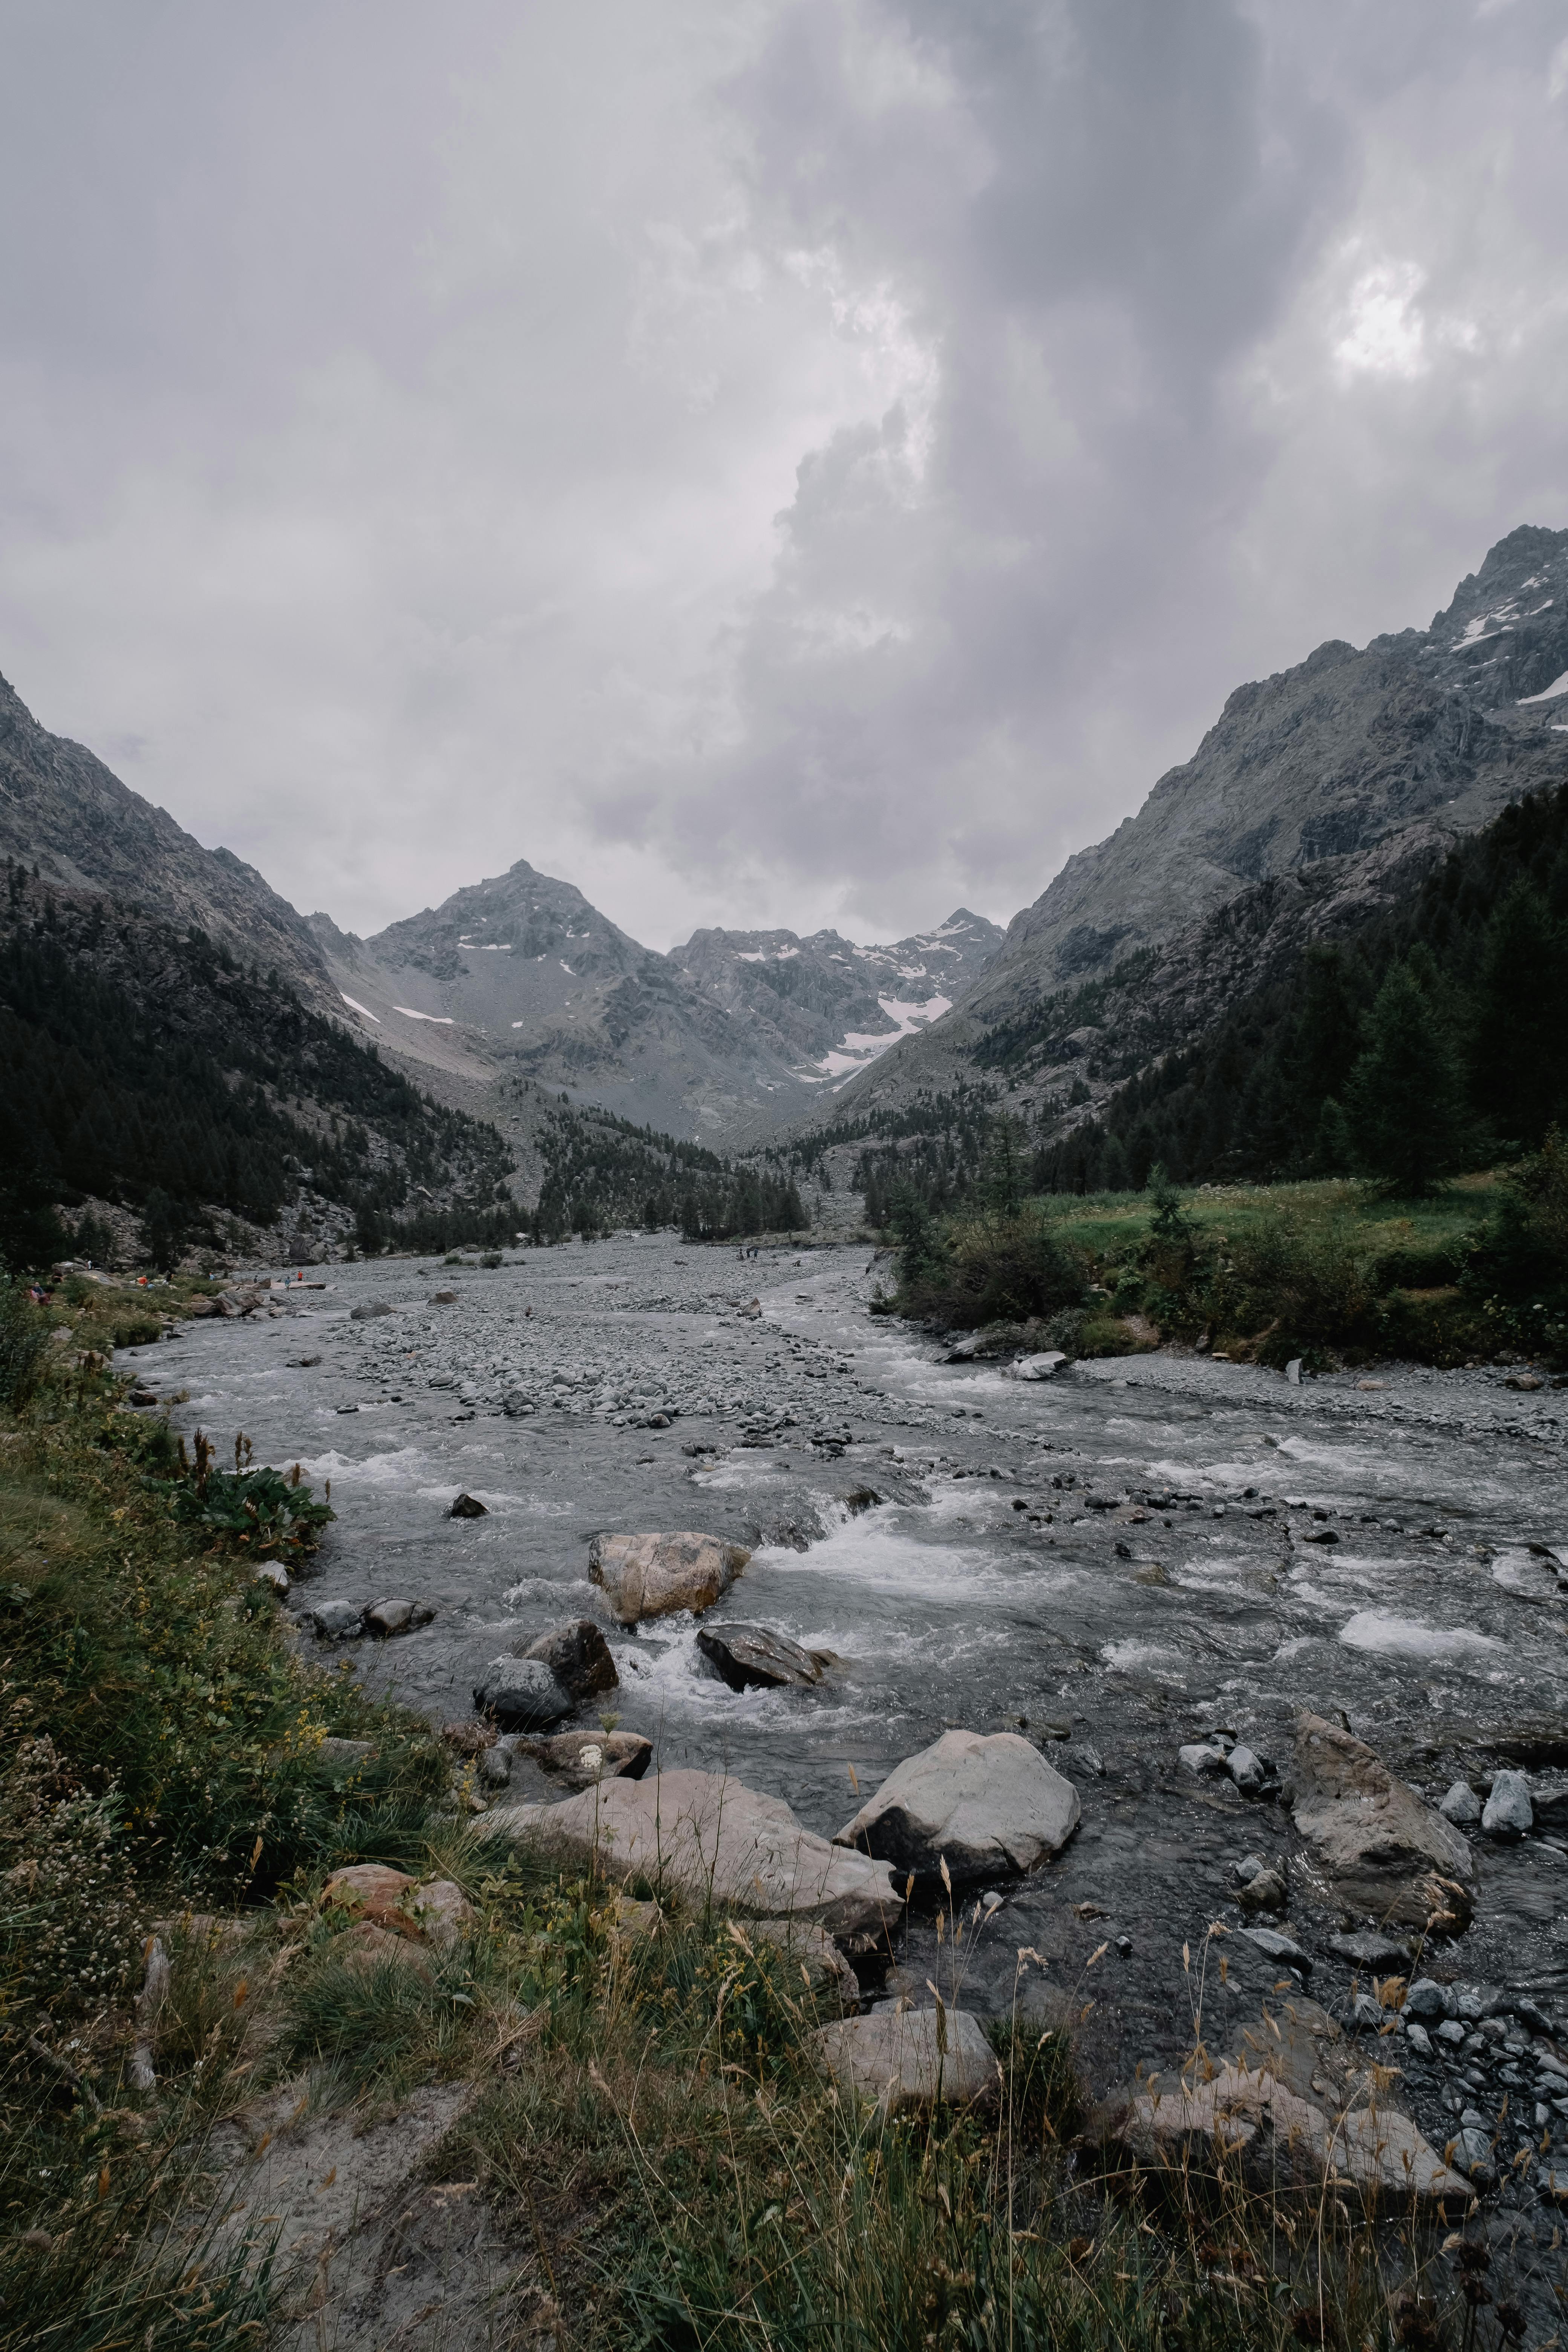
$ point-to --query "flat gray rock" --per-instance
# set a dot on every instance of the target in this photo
(1368, 1948)
(715, 1840)
(1245, 2112)
(1275, 1946)
(521, 1694)
(910, 2058)
(1043, 1367)
(990, 1807)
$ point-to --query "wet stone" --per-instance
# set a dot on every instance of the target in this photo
(520, 1695)
(1429, 2000)
(1368, 1947)
(750, 1657)
(1277, 1947)
(389, 1617)
(579, 1657)
(1507, 1813)
(468, 1506)
(334, 1621)
(1436, 1668)
(580, 1759)
(1461, 1806)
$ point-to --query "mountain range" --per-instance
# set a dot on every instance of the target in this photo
(1316, 794)
(729, 1036)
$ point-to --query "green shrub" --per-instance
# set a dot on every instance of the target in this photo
(24, 1338)
(275, 1517)
(995, 1269)
(1415, 1268)
(136, 1330)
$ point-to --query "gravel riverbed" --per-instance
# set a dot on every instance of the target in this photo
(1117, 1562)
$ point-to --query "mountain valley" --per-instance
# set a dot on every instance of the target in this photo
(1319, 801)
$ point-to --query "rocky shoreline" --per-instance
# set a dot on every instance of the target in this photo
(1125, 1562)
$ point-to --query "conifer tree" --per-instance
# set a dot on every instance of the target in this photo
(1519, 1047)
(1404, 1098)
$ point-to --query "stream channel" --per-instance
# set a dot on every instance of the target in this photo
(1116, 1561)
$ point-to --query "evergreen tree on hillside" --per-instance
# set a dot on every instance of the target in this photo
(1404, 1098)
(1519, 1047)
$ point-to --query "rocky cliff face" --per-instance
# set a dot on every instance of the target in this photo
(1312, 790)
(1323, 761)
(826, 1007)
(63, 810)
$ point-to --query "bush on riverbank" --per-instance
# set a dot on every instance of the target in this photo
(1266, 1273)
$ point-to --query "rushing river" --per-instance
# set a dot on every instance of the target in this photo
(1117, 1561)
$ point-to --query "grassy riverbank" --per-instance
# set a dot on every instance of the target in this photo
(1328, 1270)
(636, 2131)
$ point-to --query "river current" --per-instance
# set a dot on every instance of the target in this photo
(1117, 1561)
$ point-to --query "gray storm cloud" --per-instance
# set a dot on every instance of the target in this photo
(784, 463)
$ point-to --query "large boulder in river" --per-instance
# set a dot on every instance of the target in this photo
(989, 1807)
(715, 1841)
(520, 1695)
(749, 1657)
(1375, 1847)
(578, 1655)
(652, 1576)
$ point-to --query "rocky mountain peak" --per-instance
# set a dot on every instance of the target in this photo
(66, 813)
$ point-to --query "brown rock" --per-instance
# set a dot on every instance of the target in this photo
(581, 1759)
(653, 1575)
(362, 1945)
(375, 1891)
(1374, 1846)
(468, 1739)
(436, 1912)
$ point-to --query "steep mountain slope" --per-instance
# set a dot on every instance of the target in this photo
(1302, 801)
(145, 1069)
(724, 1038)
(832, 1007)
(64, 811)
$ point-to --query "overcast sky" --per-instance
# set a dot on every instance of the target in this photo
(767, 461)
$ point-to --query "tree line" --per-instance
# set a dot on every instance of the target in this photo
(146, 1067)
(1435, 1038)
